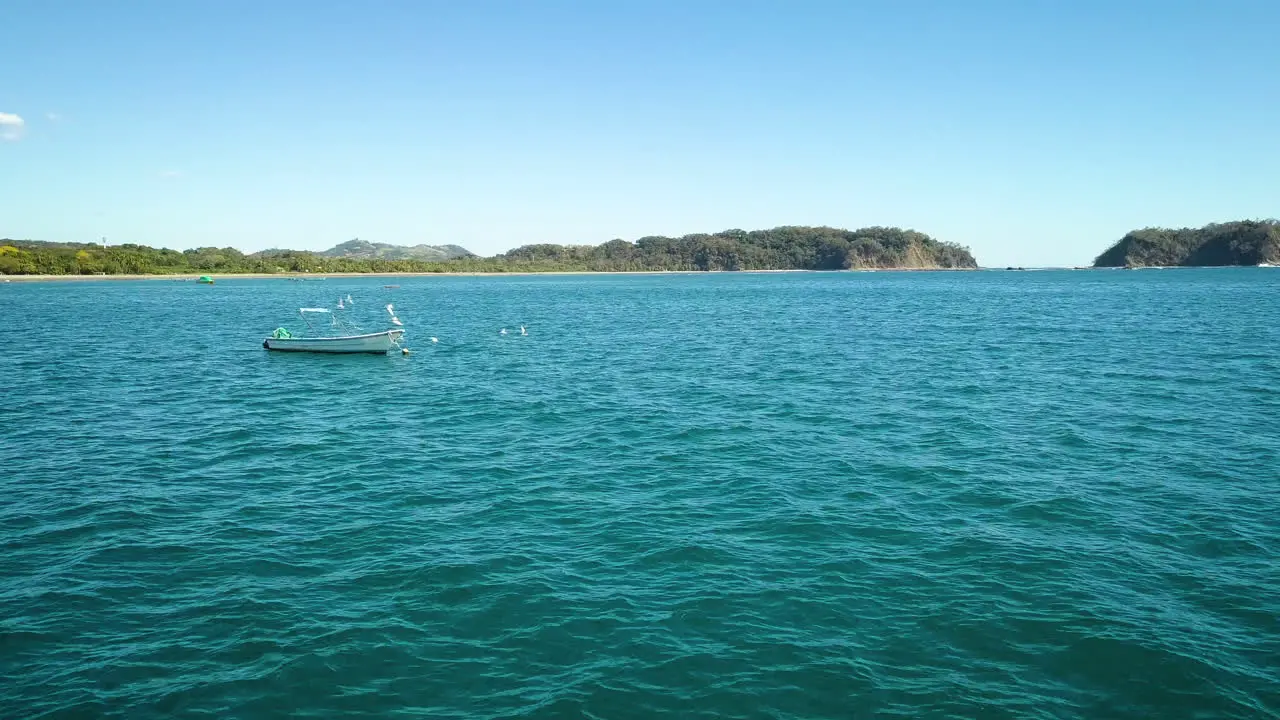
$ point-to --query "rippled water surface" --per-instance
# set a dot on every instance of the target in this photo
(1040, 495)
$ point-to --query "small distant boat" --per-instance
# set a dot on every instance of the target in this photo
(390, 287)
(348, 340)
(205, 280)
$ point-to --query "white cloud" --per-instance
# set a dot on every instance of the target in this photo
(11, 126)
(53, 117)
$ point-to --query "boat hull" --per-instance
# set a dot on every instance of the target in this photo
(376, 343)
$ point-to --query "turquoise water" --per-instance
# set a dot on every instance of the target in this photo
(1033, 495)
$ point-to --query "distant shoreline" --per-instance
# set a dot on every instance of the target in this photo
(312, 276)
(192, 277)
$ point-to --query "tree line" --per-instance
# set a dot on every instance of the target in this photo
(782, 248)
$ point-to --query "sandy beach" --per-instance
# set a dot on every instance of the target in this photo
(192, 277)
(322, 276)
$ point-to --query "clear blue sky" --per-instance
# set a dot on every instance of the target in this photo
(1034, 131)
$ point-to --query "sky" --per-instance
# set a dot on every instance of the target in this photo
(1035, 132)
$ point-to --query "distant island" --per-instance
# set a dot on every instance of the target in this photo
(1247, 242)
(782, 248)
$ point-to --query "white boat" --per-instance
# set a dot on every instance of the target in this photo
(379, 342)
(349, 339)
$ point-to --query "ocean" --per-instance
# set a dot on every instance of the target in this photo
(796, 495)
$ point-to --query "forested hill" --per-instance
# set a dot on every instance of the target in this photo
(783, 248)
(363, 249)
(1247, 242)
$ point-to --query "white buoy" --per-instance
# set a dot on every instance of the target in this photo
(434, 340)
